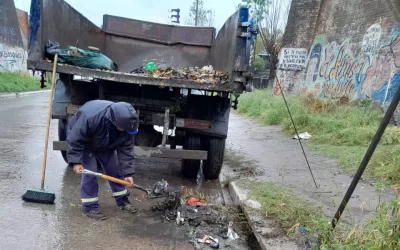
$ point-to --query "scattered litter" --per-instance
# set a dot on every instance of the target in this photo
(204, 75)
(160, 187)
(72, 204)
(136, 199)
(304, 136)
(193, 201)
(260, 223)
(253, 204)
(213, 239)
(232, 234)
(207, 68)
(179, 220)
(160, 190)
(150, 66)
(214, 245)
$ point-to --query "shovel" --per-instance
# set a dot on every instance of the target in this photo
(116, 180)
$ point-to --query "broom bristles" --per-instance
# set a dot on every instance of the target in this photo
(39, 197)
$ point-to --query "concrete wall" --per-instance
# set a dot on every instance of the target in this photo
(353, 49)
(12, 53)
(24, 26)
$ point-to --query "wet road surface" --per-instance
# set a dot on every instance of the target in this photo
(279, 159)
(62, 226)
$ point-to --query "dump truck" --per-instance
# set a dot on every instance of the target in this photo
(192, 115)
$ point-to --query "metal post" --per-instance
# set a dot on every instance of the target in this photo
(197, 11)
(374, 143)
(166, 127)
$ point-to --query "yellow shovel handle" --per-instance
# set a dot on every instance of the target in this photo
(116, 180)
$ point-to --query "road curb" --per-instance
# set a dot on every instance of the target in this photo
(21, 94)
(258, 224)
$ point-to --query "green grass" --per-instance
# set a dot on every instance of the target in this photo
(381, 232)
(17, 82)
(339, 131)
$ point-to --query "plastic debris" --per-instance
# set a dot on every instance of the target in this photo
(213, 239)
(160, 187)
(208, 68)
(214, 245)
(231, 233)
(179, 220)
(78, 57)
(253, 204)
(193, 201)
(150, 66)
(304, 136)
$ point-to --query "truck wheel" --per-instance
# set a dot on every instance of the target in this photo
(190, 168)
(213, 165)
(62, 135)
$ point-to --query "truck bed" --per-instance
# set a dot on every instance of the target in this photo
(127, 77)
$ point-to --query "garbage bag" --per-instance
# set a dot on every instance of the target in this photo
(82, 58)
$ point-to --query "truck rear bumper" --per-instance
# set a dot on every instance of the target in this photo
(153, 152)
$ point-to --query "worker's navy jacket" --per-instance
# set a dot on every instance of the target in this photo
(93, 128)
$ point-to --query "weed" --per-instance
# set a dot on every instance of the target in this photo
(17, 82)
(381, 232)
(341, 130)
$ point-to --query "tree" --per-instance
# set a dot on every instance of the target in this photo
(256, 7)
(272, 28)
(204, 17)
(272, 16)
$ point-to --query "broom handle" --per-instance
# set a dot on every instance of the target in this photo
(46, 143)
(119, 181)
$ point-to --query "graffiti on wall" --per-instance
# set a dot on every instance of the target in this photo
(12, 58)
(335, 70)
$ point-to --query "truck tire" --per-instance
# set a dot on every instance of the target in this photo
(215, 159)
(190, 168)
(62, 135)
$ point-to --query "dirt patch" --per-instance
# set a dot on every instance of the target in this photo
(240, 166)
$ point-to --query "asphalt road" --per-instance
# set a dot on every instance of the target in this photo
(62, 226)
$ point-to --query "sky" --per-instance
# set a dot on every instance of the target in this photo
(148, 10)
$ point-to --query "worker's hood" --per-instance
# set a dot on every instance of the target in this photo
(124, 116)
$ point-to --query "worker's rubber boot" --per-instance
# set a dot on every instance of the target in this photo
(125, 205)
(94, 214)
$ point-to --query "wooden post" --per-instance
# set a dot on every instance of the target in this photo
(166, 127)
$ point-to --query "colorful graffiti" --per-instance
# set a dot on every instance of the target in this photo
(334, 70)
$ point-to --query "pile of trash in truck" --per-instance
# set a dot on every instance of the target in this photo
(94, 59)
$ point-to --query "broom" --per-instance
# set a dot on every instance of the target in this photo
(41, 196)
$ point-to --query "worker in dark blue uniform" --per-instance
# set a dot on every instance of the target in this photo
(103, 132)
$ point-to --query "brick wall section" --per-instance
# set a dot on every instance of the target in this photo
(346, 41)
(303, 16)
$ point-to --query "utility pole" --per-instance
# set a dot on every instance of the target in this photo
(197, 11)
(177, 16)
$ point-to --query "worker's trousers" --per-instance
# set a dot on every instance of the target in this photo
(89, 187)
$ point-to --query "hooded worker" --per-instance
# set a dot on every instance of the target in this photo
(103, 132)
